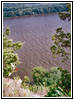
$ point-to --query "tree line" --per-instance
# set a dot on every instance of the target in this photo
(22, 9)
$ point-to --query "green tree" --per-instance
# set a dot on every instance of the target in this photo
(62, 40)
(10, 59)
(62, 44)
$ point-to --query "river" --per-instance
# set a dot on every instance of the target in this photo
(36, 33)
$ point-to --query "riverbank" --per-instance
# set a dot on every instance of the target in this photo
(31, 15)
(11, 10)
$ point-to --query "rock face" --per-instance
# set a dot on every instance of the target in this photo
(12, 88)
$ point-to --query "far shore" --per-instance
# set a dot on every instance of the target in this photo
(30, 15)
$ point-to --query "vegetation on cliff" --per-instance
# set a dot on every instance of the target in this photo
(10, 59)
(55, 82)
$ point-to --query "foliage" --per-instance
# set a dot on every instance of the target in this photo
(59, 85)
(38, 88)
(16, 9)
(54, 76)
(62, 41)
(10, 59)
(55, 92)
(16, 77)
(43, 77)
(38, 73)
(25, 85)
(33, 88)
(66, 15)
(26, 79)
(25, 82)
(69, 93)
(65, 81)
(62, 46)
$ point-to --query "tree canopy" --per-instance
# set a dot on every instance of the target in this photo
(10, 59)
(62, 40)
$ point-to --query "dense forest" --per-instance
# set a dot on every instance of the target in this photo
(21, 9)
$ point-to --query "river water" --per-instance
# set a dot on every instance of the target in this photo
(36, 33)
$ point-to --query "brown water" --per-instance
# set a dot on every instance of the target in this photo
(36, 33)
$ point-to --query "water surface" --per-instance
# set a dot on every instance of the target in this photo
(36, 33)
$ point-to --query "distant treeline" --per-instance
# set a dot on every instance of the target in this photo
(22, 9)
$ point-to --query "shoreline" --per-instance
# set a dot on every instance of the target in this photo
(29, 15)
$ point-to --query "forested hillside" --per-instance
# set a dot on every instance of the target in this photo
(21, 9)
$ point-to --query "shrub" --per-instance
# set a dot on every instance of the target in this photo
(65, 81)
(34, 88)
(55, 92)
(16, 77)
(69, 93)
(25, 82)
(38, 73)
(54, 76)
(44, 77)
(26, 79)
